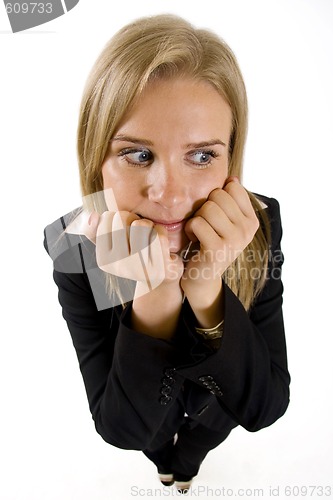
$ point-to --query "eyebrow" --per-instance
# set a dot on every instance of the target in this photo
(204, 144)
(145, 142)
(135, 140)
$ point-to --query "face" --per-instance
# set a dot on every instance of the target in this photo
(169, 152)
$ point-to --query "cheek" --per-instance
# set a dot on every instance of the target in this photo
(202, 190)
(120, 190)
(108, 190)
(106, 175)
(110, 193)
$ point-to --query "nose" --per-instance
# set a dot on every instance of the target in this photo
(167, 185)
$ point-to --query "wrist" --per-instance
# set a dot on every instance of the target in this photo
(206, 302)
(156, 313)
(143, 288)
(202, 290)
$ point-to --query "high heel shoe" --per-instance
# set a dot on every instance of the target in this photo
(183, 486)
(166, 479)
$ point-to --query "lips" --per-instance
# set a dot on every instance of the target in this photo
(172, 226)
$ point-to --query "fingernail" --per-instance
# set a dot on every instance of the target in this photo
(187, 249)
(92, 218)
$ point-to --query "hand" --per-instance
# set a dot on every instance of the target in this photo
(133, 248)
(223, 226)
(137, 249)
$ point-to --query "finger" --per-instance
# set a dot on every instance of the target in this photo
(105, 223)
(91, 230)
(202, 232)
(139, 235)
(161, 234)
(104, 239)
(221, 212)
(139, 249)
(237, 204)
(231, 178)
(85, 223)
(239, 194)
(159, 254)
(110, 200)
(112, 238)
(170, 265)
(120, 231)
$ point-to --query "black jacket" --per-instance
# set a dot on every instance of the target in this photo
(139, 387)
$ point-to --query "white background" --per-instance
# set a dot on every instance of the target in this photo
(49, 448)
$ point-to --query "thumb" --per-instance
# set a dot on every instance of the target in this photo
(85, 223)
(91, 229)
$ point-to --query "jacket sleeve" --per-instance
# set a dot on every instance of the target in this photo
(249, 373)
(128, 376)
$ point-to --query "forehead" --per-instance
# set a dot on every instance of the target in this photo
(178, 106)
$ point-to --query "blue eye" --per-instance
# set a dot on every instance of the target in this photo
(202, 157)
(137, 156)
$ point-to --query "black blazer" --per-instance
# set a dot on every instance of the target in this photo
(139, 387)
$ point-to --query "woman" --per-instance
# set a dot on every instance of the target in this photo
(186, 341)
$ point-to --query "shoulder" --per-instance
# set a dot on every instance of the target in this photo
(54, 231)
(70, 252)
(270, 204)
(271, 209)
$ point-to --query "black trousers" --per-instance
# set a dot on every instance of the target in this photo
(183, 454)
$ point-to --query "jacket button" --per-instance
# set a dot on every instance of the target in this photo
(206, 378)
(166, 390)
(210, 384)
(169, 372)
(164, 400)
(168, 380)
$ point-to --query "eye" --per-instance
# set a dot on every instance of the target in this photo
(202, 157)
(136, 156)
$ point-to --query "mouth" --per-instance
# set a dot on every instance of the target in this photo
(171, 226)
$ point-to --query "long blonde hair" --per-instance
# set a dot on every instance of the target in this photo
(166, 46)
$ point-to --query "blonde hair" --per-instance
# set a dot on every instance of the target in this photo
(166, 46)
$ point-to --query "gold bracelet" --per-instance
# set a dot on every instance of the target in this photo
(211, 333)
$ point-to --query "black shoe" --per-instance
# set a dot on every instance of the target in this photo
(166, 479)
(183, 486)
